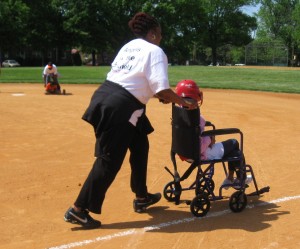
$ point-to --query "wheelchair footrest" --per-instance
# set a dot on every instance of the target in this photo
(260, 192)
(216, 198)
(188, 202)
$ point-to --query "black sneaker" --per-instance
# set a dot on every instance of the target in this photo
(83, 218)
(140, 205)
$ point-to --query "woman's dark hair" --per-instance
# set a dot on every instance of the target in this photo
(141, 23)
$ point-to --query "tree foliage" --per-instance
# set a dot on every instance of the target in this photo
(226, 24)
(280, 20)
(296, 17)
(45, 30)
(100, 26)
(191, 25)
(13, 24)
(181, 22)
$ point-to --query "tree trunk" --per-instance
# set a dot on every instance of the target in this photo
(94, 57)
(214, 55)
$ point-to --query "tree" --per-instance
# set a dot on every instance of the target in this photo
(226, 24)
(279, 20)
(45, 31)
(13, 23)
(180, 20)
(98, 26)
(190, 26)
(296, 18)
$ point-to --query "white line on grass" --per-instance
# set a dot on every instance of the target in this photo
(165, 224)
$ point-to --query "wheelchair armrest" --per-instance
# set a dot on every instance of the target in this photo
(208, 123)
(220, 132)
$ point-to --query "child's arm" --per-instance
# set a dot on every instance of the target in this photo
(205, 143)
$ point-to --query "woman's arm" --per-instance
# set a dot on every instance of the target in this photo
(168, 96)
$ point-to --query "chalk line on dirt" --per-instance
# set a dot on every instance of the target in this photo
(165, 224)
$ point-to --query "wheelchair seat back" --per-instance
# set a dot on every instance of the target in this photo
(186, 132)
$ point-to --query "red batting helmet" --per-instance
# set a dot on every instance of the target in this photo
(189, 89)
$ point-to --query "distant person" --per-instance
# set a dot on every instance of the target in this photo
(50, 74)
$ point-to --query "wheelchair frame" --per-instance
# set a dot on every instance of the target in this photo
(185, 142)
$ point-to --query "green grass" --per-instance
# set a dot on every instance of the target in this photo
(79, 75)
(279, 80)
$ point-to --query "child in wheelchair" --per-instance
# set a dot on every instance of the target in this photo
(209, 149)
(192, 143)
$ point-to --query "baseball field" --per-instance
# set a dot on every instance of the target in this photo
(46, 152)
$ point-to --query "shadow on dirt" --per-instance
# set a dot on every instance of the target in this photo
(255, 217)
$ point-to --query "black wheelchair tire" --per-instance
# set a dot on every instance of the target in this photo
(169, 191)
(238, 201)
(202, 187)
(200, 205)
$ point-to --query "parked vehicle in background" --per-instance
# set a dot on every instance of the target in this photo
(10, 63)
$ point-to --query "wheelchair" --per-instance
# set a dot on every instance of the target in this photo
(186, 144)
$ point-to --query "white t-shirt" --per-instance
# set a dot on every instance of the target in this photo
(141, 68)
(47, 71)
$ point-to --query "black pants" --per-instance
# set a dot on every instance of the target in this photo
(232, 149)
(113, 146)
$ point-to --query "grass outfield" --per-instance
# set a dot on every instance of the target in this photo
(272, 79)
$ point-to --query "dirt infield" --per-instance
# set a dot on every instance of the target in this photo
(46, 152)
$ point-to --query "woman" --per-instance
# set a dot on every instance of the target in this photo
(117, 112)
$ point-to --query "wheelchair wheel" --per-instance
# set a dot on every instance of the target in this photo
(205, 186)
(238, 201)
(200, 205)
(169, 191)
